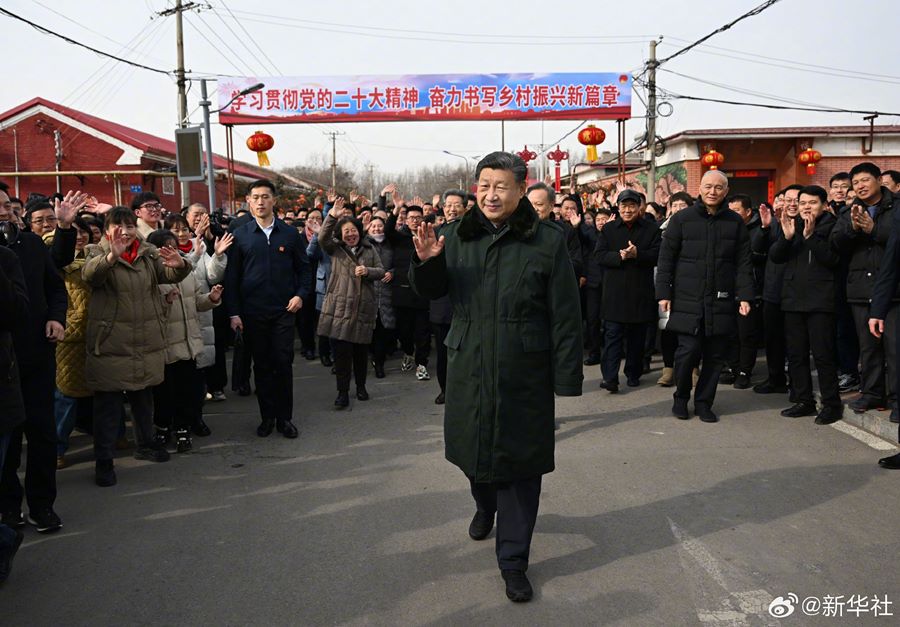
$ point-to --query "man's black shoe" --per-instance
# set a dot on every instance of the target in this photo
(646, 368)
(8, 552)
(610, 386)
(894, 417)
(633, 383)
(104, 473)
(848, 383)
(727, 377)
(440, 399)
(152, 454)
(518, 588)
(592, 360)
(309, 355)
(12, 518)
(829, 415)
(862, 404)
(287, 429)
(680, 409)
(891, 463)
(244, 390)
(201, 429)
(705, 413)
(742, 381)
(798, 410)
(44, 520)
(326, 361)
(342, 400)
(379, 370)
(362, 394)
(481, 525)
(767, 387)
(265, 428)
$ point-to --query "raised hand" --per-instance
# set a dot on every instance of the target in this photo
(331, 196)
(418, 201)
(426, 243)
(118, 243)
(353, 195)
(788, 226)
(215, 294)
(67, 208)
(765, 216)
(223, 243)
(337, 208)
(171, 257)
(436, 200)
(389, 189)
(397, 199)
(809, 226)
(575, 219)
(203, 226)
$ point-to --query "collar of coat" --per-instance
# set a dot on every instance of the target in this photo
(522, 224)
(723, 209)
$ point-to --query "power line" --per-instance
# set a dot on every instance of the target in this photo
(250, 37)
(721, 29)
(216, 48)
(779, 107)
(239, 39)
(47, 31)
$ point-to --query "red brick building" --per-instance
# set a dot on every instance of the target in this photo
(108, 160)
(759, 161)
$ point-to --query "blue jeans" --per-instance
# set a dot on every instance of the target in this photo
(66, 410)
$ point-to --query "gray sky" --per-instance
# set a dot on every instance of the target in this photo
(848, 51)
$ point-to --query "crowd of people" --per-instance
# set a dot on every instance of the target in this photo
(103, 308)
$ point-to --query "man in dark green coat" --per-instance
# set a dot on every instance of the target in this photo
(515, 340)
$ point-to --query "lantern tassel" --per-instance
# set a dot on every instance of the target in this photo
(591, 153)
(263, 158)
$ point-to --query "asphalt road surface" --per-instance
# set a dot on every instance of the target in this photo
(647, 520)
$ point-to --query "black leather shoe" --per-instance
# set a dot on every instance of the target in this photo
(265, 428)
(727, 377)
(829, 415)
(287, 429)
(481, 525)
(705, 413)
(766, 387)
(326, 361)
(200, 428)
(518, 588)
(309, 355)
(742, 381)
(798, 410)
(862, 404)
(592, 360)
(610, 386)
(244, 390)
(646, 368)
(680, 409)
(342, 400)
(891, 463)
(104, 473)
(894, 417)
(362, 394)
(633, 383)
(440, 399)
(379, 370)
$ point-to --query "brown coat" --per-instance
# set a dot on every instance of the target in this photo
(125, 336)
(349, 310)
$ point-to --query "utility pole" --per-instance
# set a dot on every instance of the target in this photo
(334, 136)
(503, 135)
(181, 83)
(651, 121)
(371, 168)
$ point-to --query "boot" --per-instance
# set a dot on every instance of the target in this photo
(342, 400)
(667, 379)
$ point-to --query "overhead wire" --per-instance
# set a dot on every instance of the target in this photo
(250, 37)
(239, 39)
(215, 47)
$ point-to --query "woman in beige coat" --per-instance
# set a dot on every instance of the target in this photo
(349, 310)
(125, 336)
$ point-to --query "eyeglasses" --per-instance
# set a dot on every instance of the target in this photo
(47, 220)
(154, 206)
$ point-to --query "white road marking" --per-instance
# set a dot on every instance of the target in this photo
(864, 436)
(175, 513)
(146, 492)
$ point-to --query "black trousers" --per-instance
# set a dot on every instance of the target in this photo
(623, 339)
(243, 356)
(594, 335)
(349, 356)
(877, 357)
(668, 343)
(108, 408)
(847, 343)
(516, 505)
(440, 334)
(413, 329)
(382, 339)
(270, 339)
(773, 319)
(712, 350)
(805, 331)
(178, 400)
(307, 323)
(216, 376)
(37, 382)
(743, 356)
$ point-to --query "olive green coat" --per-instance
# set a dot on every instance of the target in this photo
(514, 341)
(126, 335)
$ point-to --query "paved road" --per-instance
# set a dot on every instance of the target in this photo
(647, 521)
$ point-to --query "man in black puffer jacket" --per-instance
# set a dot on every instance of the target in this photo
(704, 265)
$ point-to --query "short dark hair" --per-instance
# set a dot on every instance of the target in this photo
(603, 212)
(796, 186)
(348, 220)
(684, 196)
(13, 199)
(453, 192)
(119, 215)
(161, 237)
(744, 199)
(414, 209)
(866, 167)
(262, 183)
(471, 196)
(551, 194)
(140, 199)
(175, 219)
(815, 190)
(840, 176)
(82, 224)
(503, 161)
(895, 176)
(40, 205)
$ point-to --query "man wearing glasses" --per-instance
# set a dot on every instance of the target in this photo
(148, 209)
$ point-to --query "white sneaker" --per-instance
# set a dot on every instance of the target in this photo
(422, 374)
(408, 362)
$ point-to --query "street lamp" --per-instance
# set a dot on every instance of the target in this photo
(205, 103)
(466, 159)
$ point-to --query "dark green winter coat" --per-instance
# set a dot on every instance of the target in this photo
(514, 341)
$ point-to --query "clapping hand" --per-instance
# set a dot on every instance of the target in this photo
(765, 216)
(861, 220)
(628, 253)
(426, 243)
(809, 226)
(788, 227)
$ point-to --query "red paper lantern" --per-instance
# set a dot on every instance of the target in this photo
(809, 158)
(259, 143)
(713, 159)
(591, 136)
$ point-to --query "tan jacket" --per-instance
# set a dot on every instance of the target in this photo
(125, 336)
(349, 310)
